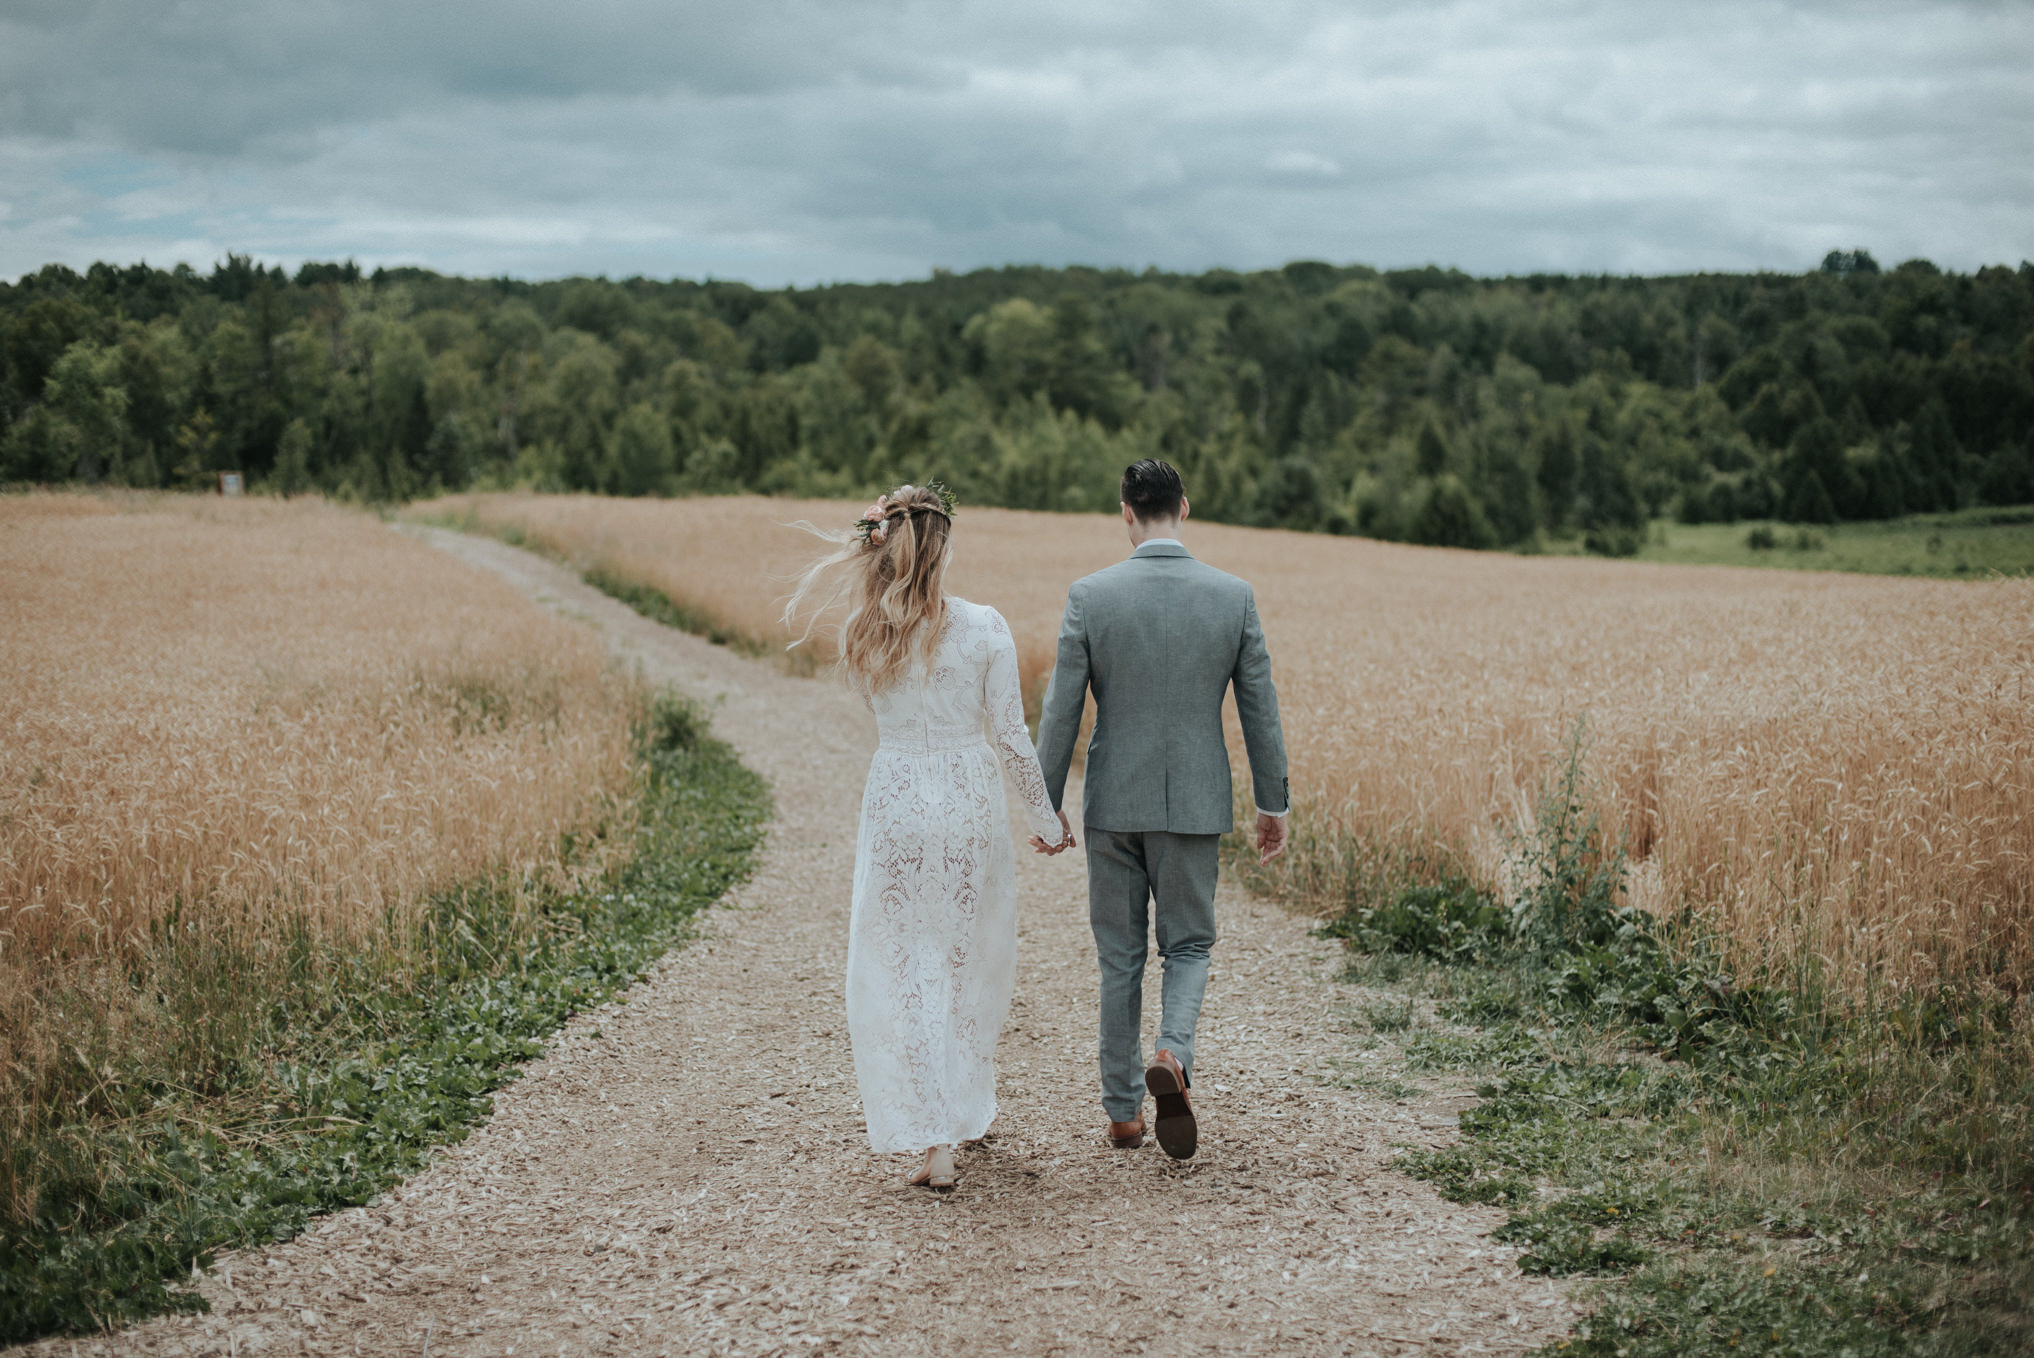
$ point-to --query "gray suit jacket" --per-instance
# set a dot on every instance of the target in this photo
(1160, 638)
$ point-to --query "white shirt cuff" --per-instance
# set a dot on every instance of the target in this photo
(1275, 815)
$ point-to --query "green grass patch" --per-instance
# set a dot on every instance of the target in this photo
(658, 606)
(1390, 1016)
(1971, 544)
(1746, 1165)
(1367, 1082)
(346, 1068)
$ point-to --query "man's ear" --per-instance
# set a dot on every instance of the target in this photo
(1184, 509)
(1129, 514)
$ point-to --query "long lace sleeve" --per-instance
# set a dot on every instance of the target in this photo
(1004, 698)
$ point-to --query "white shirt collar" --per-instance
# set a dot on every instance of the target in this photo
(1156, 542)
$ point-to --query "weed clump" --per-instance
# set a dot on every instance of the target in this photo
(674, 724)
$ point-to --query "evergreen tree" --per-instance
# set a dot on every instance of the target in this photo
(1808, 500)
(1934, 459)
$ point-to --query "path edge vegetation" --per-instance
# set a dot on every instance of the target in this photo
(352, 1081)
(1743, 1161)
(686, 615)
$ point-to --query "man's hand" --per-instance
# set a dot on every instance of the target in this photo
(1066, 838)
(1270, 837)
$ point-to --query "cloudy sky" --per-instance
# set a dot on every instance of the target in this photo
(802, 141)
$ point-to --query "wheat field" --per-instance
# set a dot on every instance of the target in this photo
(264, 724)
(248, 703)
(1830, 768)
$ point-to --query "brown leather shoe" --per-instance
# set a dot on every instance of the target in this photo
(1127, 1136)
(1178, 1133)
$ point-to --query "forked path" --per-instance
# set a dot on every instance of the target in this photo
(685, 1171)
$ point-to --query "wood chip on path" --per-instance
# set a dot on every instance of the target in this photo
(684, 1171)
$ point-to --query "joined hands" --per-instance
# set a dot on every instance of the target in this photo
(1066, 839)
(1271, 838)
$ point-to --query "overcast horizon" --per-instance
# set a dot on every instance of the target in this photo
(874, 140)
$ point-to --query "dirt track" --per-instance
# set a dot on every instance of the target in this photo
(685, 1172)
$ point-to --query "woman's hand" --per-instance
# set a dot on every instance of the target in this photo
(1066, 839)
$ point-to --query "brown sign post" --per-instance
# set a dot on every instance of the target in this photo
(229, 483)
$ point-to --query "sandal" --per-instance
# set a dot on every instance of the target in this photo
(937, 1173)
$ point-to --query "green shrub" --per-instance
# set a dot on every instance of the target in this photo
(1451, 921)
(1614, 540)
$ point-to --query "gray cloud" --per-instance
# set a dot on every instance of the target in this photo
(790, 140)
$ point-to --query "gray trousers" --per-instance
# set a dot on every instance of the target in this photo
(1126, 872)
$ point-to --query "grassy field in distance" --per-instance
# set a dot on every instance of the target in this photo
(1967, 545)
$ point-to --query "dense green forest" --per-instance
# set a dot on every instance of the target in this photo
(1423, 404)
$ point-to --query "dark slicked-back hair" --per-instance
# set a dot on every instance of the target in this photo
(1153, 490)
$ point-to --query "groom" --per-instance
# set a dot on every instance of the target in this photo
(1159, 638)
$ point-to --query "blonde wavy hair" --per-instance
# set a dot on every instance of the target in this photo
(892, 567)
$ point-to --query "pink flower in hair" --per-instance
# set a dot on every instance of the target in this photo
(873, 526)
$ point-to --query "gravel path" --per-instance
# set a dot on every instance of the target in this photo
(685, 1173)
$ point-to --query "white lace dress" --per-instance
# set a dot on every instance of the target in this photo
(932, 941)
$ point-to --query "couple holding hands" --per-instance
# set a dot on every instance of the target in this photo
(1159, 639)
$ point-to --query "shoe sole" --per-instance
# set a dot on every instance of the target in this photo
(1177, 1132)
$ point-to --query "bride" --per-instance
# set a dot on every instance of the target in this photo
(933, 930)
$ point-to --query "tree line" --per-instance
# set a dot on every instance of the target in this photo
(1422, 405)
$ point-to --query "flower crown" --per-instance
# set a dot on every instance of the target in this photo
(874, 525)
